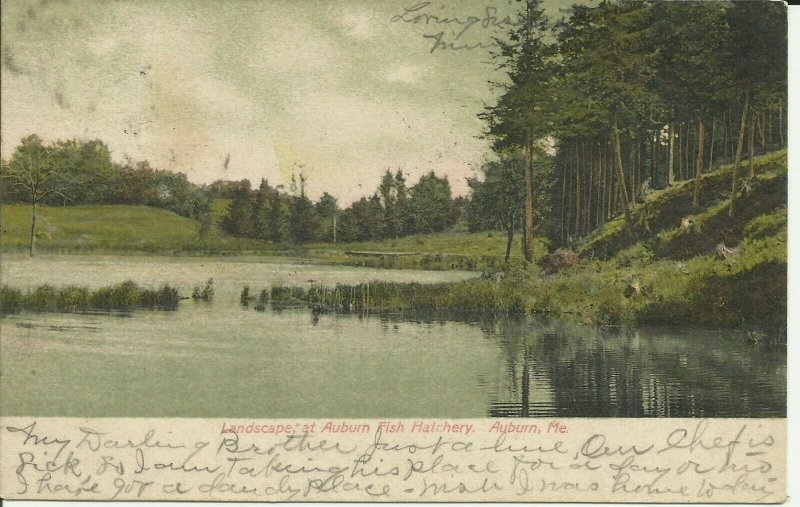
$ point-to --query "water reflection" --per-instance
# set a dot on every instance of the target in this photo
(219, 360)
(560, 369)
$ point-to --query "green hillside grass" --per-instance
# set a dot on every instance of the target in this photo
(112, 228)
(145, 230)
(657, 221)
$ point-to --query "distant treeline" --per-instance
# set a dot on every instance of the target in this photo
(68, 173)
(75, 172)
(393, 211)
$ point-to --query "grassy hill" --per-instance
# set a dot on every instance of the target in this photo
(145, 230)
(111, 228)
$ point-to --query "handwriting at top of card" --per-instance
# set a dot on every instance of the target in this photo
(684, 460)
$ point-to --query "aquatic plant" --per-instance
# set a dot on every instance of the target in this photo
(204, 293)
(123, 296)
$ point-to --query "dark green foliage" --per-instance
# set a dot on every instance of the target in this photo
(82, 172)
(244, 297)
(124, 296)
(640, 95)
(362, 221)
(431, 205)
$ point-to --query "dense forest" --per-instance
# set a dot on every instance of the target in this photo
(595, 110)
(635, 96)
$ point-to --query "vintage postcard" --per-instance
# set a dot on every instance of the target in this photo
(387, 250)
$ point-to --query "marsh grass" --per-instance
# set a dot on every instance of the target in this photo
(124, 296)
(705, 290)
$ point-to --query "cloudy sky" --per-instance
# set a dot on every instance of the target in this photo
(338, 90)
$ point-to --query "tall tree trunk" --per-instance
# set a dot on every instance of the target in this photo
(563, 199)
(601, 189)
(621, 175)
(632, 165)
(610, 203)
(510, 241)
(780, 121)
(33, 228)
(577, 190)
(681, 142)
(671, 164)
(711, 150)
(588, 220)
(687, 167)
(751, 145)
(570, 194)
(762, 133)
(738, 157)
(770, 125)
(528, 242)
(701, 131)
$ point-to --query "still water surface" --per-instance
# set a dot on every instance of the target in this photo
(219, 359)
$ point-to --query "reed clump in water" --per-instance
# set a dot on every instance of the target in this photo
(204, 293)
(462, 297)
(123, 296)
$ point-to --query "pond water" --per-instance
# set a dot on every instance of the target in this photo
(218, 359)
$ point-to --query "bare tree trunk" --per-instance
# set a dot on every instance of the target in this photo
(610, 185)
(510, 241)
(671, 165)
(632, 165)
(711, 150)
(780, 120)
(590, 190)
(563, 199)
(577, 190)
(33, 228)
(528, 243)
(699, 167)
(687, 167)
(621, 175)
(601, 189)
(770, 124)
(681, 142)
(738, 156)
(751, 145)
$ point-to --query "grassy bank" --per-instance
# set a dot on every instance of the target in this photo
(121, 229)
(723, 271)
(123, 296)
(749, 288)
(113, 229)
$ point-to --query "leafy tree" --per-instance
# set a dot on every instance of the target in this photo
(498, 200)
(303, 222)
(280, 217)
(362, 220)
(259, 223)
(519, 117)
(34, 171)
(236, 221)
(431, 204)
(327, 211)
